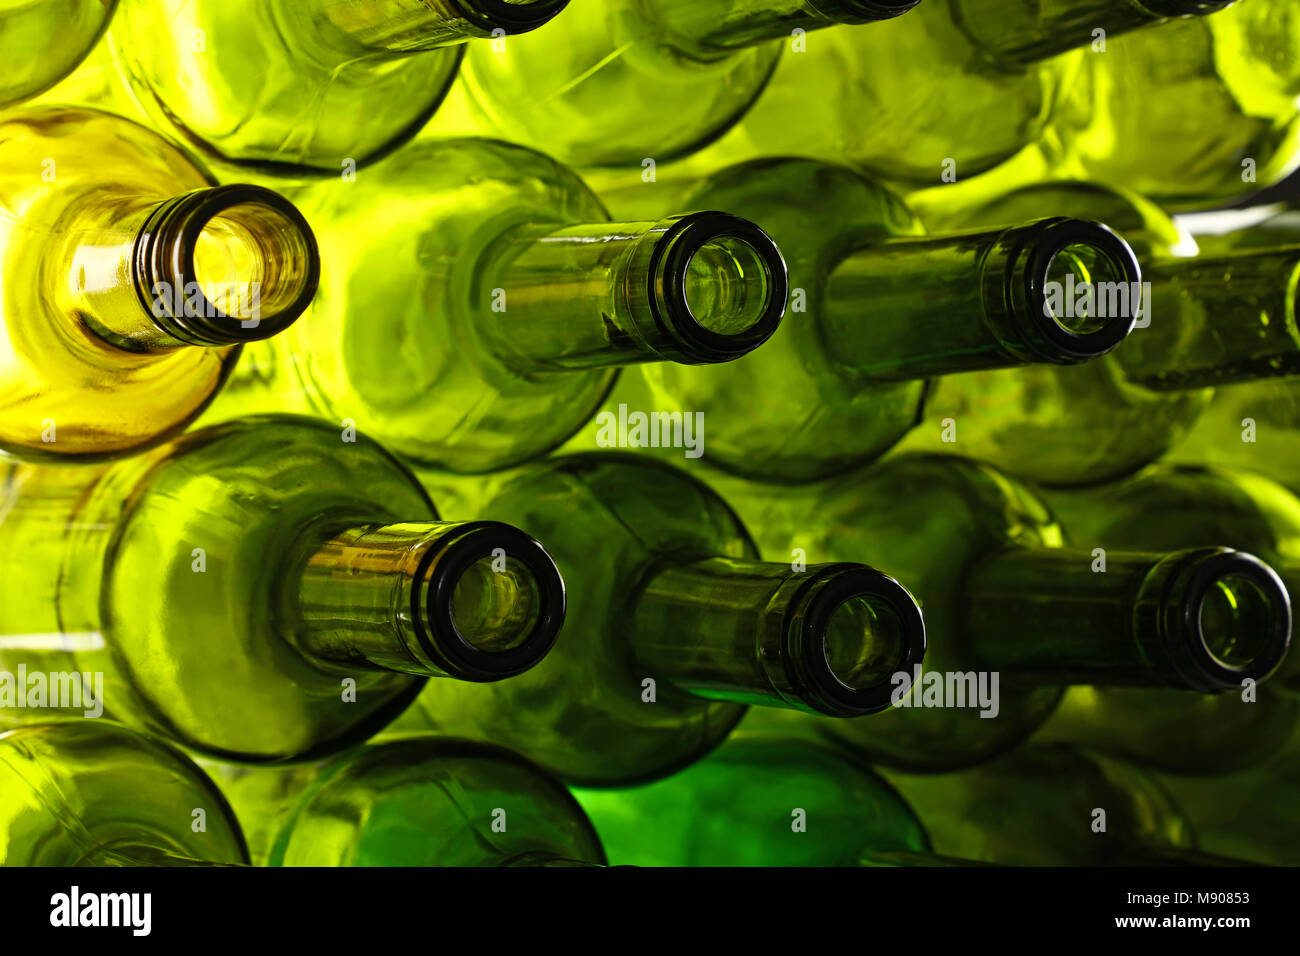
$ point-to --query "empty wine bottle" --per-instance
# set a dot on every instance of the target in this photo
(1167, 507)
(617, 81)
(876, 308)
(129, 282)
(303, 86)
(674, 625)
(951, 90)
(1046, 805)
(761, 801)
(1208, 320)
(419, 801)
(1013, 614)
(1192, 113)
(42, 41)
(93, 793)
(262, 591)
(478, 303)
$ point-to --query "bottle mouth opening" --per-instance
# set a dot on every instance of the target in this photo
(719, 287)
(511, 16)
(856, 630)
(1236, 617)
(489, 602)
(227, 265)
(1083, 288)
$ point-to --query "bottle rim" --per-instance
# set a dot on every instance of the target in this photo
(432, 614)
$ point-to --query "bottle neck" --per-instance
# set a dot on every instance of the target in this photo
(695, 289)
(213, 267)
(913, 308)
(1062, 25)
(1216, 321)
(399, 27)
(1202, 620)
(478, 601)
(825, 640)
(709, 30)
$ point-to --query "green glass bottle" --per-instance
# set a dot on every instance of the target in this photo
(419, 801)
(263, 591)
(1013, 614)
(611, 83)
(942, 95)
(1182, 507)
(1208, 320)
(1046, 805)
(1194, 113)
(130, 281)
(477, 303)
(42, 41)
(760, 801)
(303, 86)
(876, 308)
(93, 793)
(674, 625)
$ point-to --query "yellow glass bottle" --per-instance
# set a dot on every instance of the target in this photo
(128, 282)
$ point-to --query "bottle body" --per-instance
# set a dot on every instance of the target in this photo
(64, 31)
(261, 84)
(876, 308)
(587, 713)
(483, 317)
(417, 801)
(92, 793)
(584, 88)
(674, 627)
(788, 411)
(942, 104)
(757, 801)
(1045, 805)
(167, 583)
(1236, 65)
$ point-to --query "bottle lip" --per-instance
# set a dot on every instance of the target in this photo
(165, 249)
(431, 602)
(805, 638)
(489, 15)
(1049, 239)
(669, 265)
(1185, 633)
